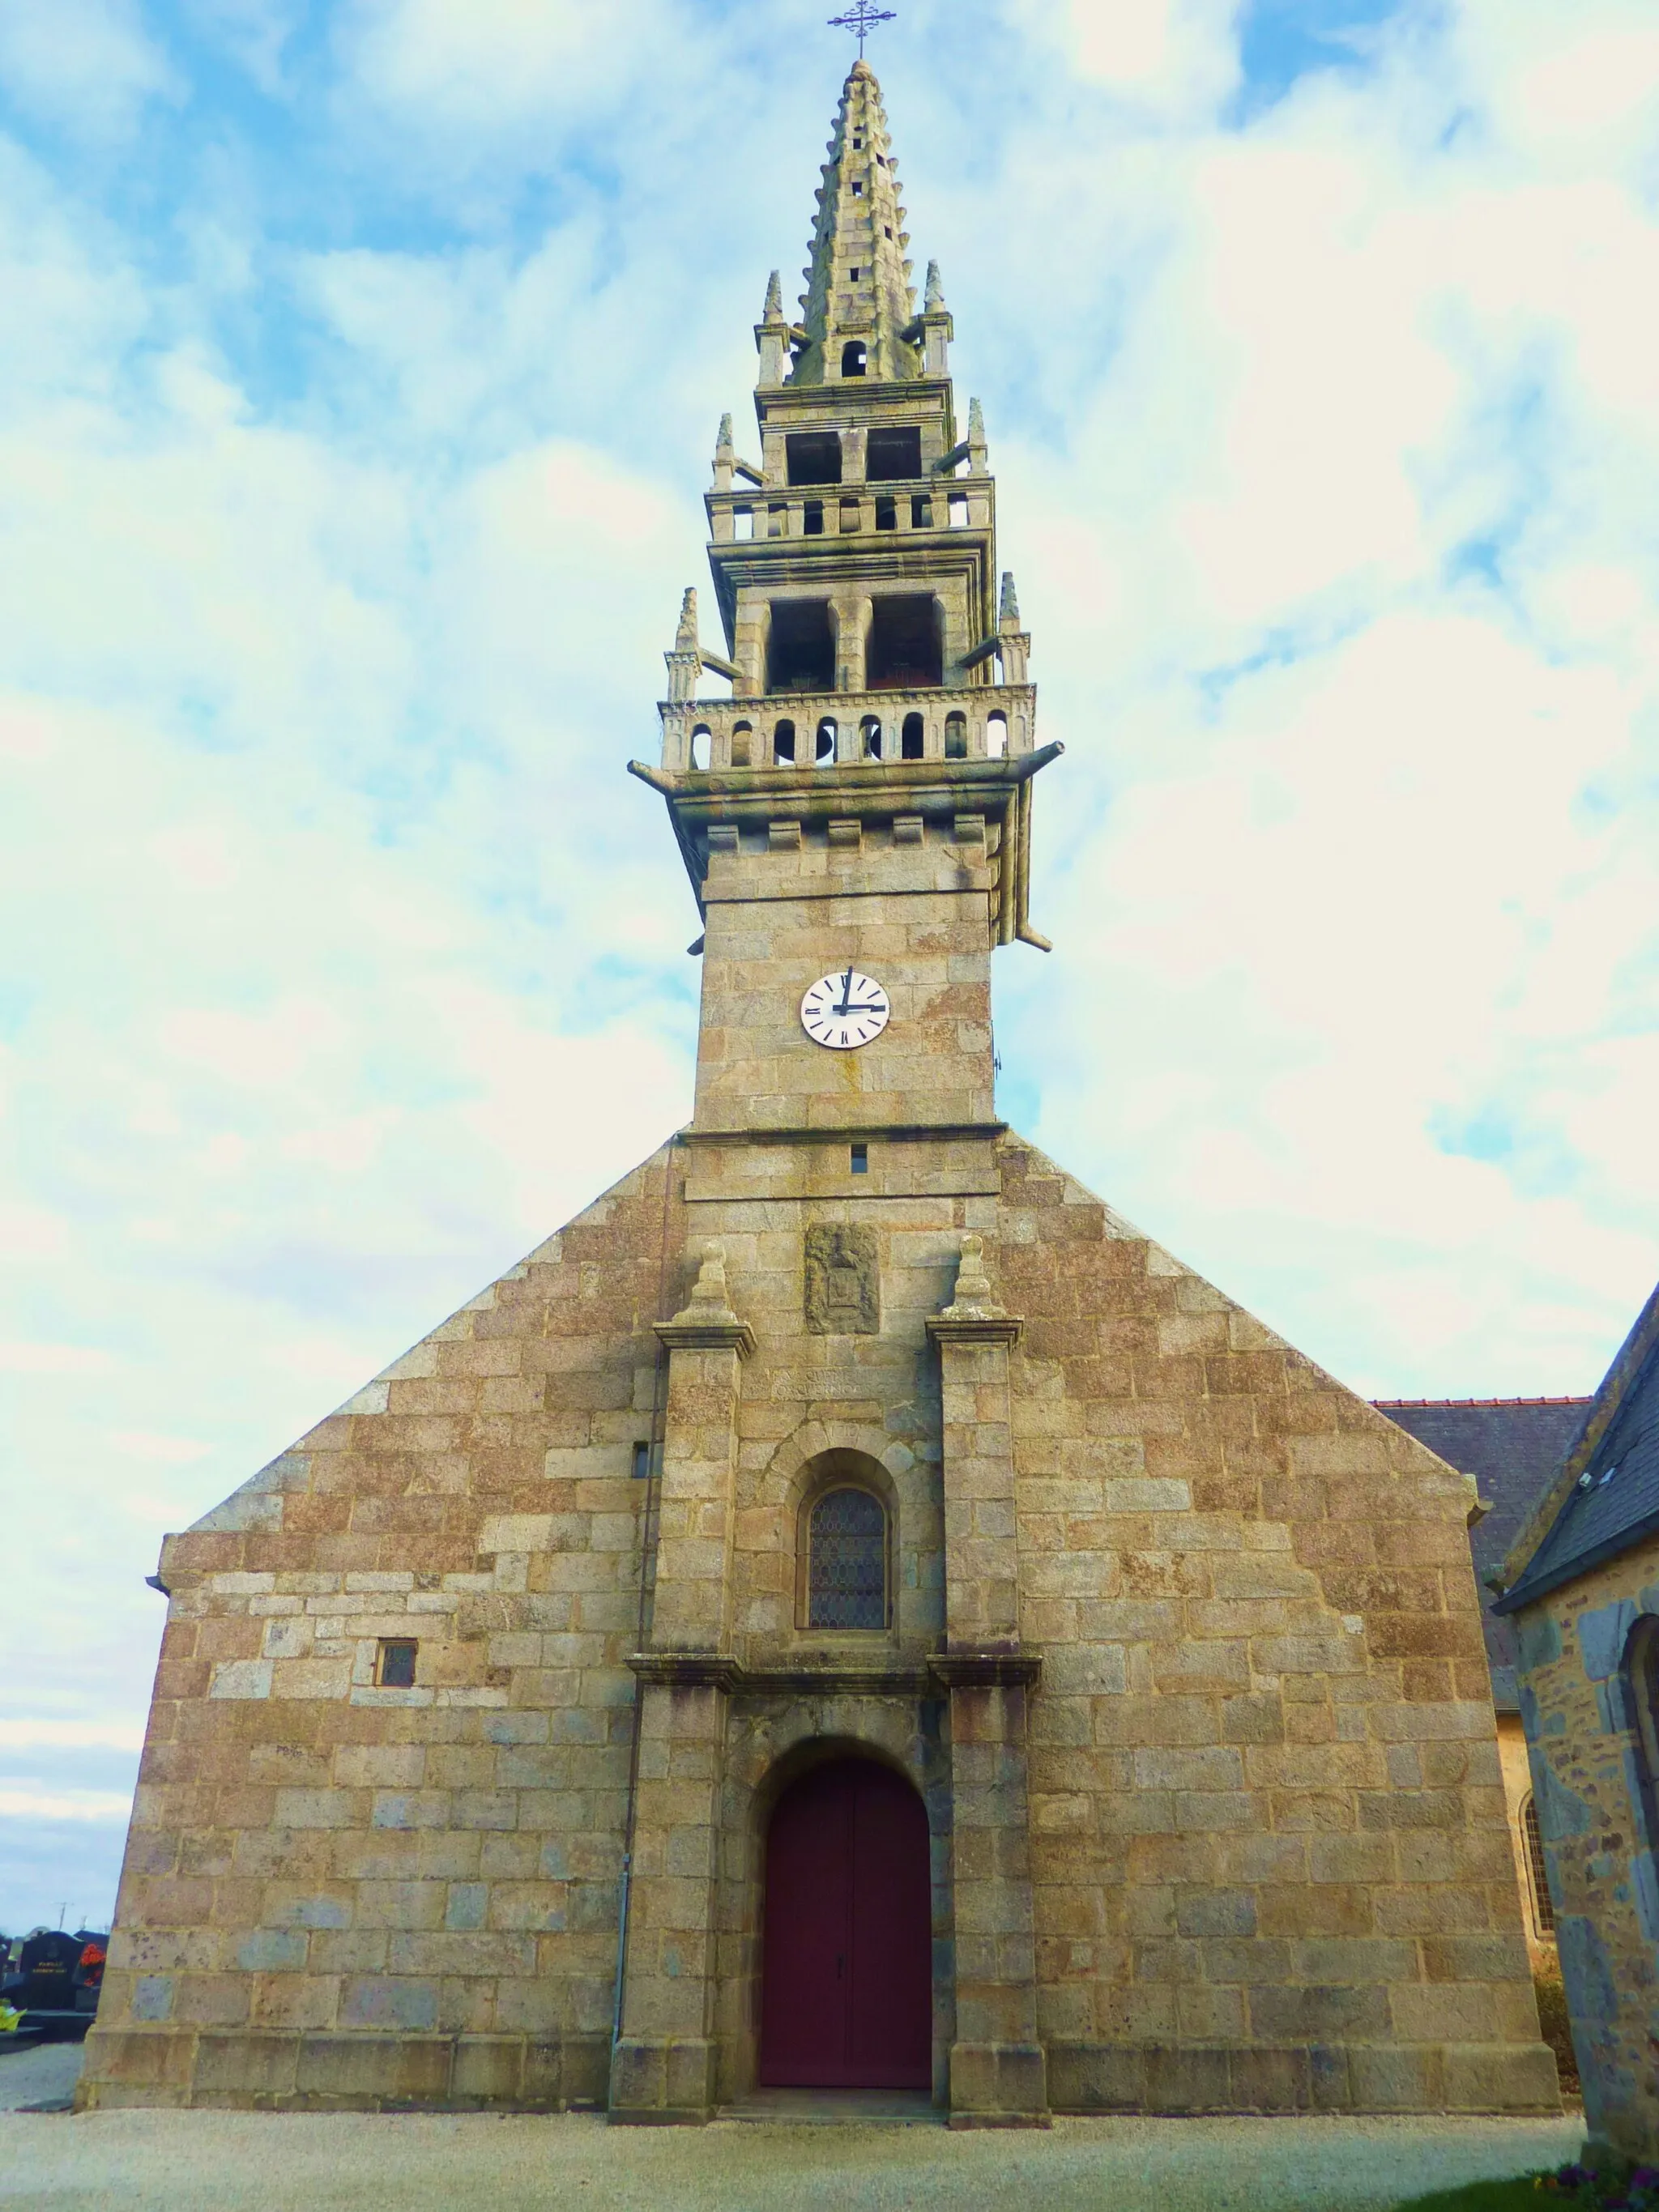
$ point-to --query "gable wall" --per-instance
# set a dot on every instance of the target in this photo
(1267, 1836)
(1267, 1806)
(312, 1858)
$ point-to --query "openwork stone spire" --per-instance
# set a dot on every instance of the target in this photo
(859, 305)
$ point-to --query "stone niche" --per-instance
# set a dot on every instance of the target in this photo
(843, 1281)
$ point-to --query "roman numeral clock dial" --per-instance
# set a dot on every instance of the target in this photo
(845, 1011)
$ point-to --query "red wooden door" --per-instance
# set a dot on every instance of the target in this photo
(846, 1979)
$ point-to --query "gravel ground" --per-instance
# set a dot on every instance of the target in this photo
(40, 2073)
(250, 2163)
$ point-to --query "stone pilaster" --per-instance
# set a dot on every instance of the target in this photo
(663, 2068)
(998, 2069)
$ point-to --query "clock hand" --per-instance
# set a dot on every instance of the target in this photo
(845, 1006)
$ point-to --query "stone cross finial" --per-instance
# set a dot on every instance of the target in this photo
(935, 294)
(973, 1300)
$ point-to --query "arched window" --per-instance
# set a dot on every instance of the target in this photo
(955, 737)
(912, 740)
(825, 754)
(847, 1561)
(853, 357)
(1642, 1700)
(1543, 1911)
(701, 741)
(996, 737)
(783, 744)
(743, 741)
(869, 738)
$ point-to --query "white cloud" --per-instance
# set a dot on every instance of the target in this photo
(54, 1359)
(497, 65)
(70, 1735)
(1179, 57)
(86, 66)
(165, 1451)
(102, 1806)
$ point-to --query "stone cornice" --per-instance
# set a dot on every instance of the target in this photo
(931, 1132)
(975, 1328)
(990, 1667)
(729, 1335)
(942, 1672)
(687, 1670)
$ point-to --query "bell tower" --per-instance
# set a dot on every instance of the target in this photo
(860, 806)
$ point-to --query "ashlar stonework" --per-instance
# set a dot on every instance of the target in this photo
(1176, 1639)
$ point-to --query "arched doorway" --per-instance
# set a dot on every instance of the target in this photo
(847, 1965)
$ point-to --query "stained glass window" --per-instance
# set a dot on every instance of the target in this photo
(847, 1562)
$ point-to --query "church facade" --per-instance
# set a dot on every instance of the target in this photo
(848, 1610)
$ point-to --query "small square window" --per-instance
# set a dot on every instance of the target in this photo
(394, 1665)
(857, 273)
(641, 1462)
(860, 1160)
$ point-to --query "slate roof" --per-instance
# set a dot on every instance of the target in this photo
(1613, 1502)
(1512, 1446)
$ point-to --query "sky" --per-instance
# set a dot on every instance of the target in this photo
(361, 367)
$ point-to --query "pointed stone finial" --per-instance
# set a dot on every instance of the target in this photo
(709, 1295)
(973, 1300)
(724, 436)
(935, 294)
(1009, 613)
(775, 297)
(706, 1321)
(686, 637)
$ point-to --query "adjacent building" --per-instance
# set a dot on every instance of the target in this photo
(1581, 1590)
(850, 1610)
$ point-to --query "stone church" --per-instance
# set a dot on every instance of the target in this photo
(848, 1611)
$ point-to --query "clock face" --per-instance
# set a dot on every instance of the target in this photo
(844, 1011)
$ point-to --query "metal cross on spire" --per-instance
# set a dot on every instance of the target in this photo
(861, 18)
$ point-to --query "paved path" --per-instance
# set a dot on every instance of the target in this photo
(250, 2163)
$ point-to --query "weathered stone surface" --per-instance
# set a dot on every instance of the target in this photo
(843, 1279)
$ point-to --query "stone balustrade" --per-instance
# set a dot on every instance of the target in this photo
(819, 732)
(930, 504)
